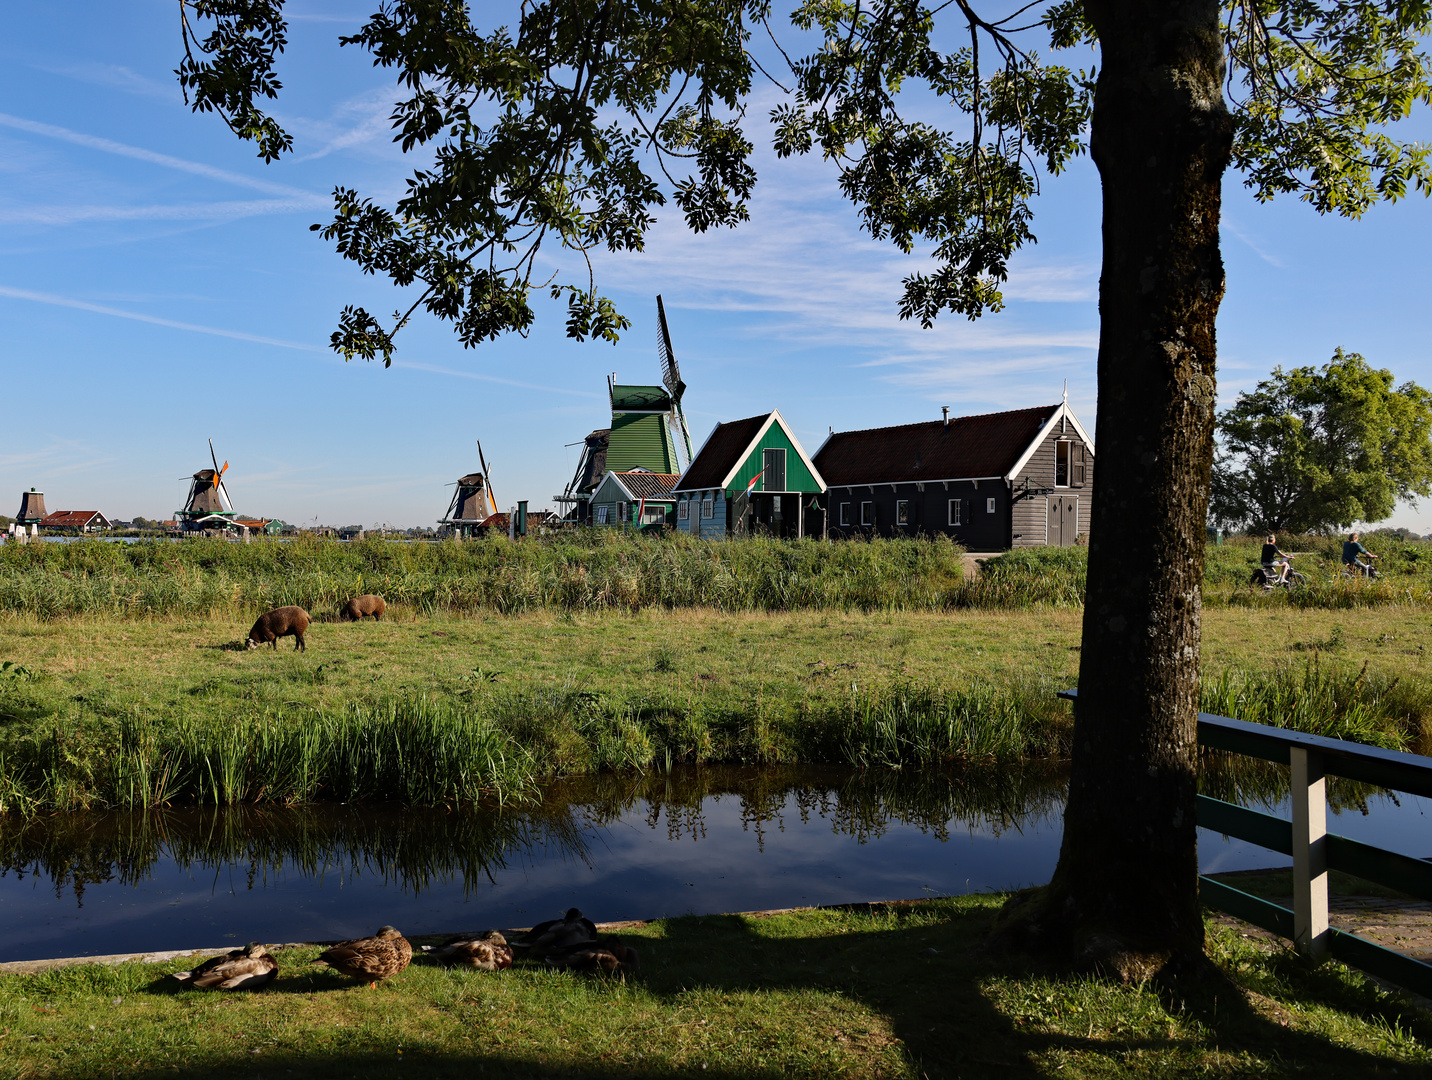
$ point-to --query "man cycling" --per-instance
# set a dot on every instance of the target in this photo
(1351, 563)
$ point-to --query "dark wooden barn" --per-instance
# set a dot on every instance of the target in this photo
(990, 482)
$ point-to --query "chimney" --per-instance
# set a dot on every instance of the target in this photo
(946, 410)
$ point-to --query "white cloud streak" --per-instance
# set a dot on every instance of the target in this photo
(119, 313)
(216, 211)
(434, 369)
(109, 146)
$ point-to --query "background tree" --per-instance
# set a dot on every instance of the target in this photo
(1296, 94)
(1312, 451)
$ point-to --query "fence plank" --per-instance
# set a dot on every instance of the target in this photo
(1239, 822)
(1400, 872)
(1246, 906)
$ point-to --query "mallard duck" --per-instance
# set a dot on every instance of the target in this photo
(243, 969)
(490, 952)
(371, 958)
(607, 955)
(571, 930)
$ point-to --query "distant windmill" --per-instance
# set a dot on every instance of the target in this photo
(473, 501)
(208, 505)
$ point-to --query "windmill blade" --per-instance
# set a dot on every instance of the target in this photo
(670, 373)
(685, 431)
(224, 496)
(214, 457)
(486, 478)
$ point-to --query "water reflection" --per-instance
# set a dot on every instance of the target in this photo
(620, 846)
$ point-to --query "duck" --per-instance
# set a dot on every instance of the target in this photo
(242, 969)
(488, 952)
(567, 932)
(371, 958)
(607, 954)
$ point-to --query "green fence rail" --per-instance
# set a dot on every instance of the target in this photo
(1315, 851)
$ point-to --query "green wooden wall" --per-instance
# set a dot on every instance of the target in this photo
(798, 477)
(641, 441)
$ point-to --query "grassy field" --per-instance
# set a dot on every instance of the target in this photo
(894, 992)
(440, 709)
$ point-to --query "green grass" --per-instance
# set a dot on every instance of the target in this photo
(106, 712)
(896, 992)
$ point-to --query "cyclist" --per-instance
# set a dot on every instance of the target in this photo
(1276, 564)
(1351, 563)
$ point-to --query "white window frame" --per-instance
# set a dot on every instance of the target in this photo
(989, 506)
(867, 513)
(845, 514)
(708, 509)
(683, 510)
(956, 506)
(902, 511)
(1067, 445)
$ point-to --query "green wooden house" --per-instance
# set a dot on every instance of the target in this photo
(635, 498)
(716, 497)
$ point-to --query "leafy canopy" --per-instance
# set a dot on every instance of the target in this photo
(1311, 450)
(579, 126)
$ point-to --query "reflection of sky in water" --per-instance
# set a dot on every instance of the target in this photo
(634, 868)
(1398, 823)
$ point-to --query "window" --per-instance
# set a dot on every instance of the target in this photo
(867, 513)
(955, 506)
(845, 513)
(989, 506)
(602, 515)
(652, 513)
(1061, 462)
(683, 510)
(774, 462)
(708, 508)
(902, 511)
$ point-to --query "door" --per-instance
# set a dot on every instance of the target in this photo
(1063, 520)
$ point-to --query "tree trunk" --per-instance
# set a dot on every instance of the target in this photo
(1124, 896)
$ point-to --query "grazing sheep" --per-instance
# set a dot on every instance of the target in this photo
(360, 606)
(280, 622)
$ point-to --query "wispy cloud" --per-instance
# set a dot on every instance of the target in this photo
(358, 123)
(119, 313)
(1253, 242)
(435, 369)
(112, 75)
(217, 211)
(109, 146)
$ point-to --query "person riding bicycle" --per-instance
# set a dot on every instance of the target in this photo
(1351, 563)
(1276, 564)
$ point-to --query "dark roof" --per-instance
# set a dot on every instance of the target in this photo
(71, 519)
(722, 451)
(472, 479)
(968, 446)
(640, 398)
(649, 485)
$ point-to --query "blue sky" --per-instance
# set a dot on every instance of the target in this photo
(159, 286)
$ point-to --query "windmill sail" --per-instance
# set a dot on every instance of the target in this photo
(671, 376)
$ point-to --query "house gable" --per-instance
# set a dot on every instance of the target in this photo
(774, 434)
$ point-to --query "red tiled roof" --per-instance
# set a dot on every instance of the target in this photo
(649, 485)
(70, 519)
(968, 446)
(718, 457)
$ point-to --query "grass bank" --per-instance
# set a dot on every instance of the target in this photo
(893, 992)
(110, 712)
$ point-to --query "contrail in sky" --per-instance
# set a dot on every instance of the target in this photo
(108, 146)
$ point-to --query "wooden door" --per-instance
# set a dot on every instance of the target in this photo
(1063, 520)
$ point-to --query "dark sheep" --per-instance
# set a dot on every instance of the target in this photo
(360, 606)
(280, 622)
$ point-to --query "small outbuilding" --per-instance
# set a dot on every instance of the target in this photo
(635, 497)
(999, 480)
(751, 475)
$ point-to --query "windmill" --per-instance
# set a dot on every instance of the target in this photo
(208, 505)
(472, 502)
(671, 378)
(648, 430)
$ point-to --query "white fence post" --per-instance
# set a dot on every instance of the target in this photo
(1310, 859)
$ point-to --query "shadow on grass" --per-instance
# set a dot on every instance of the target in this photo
(938, 993)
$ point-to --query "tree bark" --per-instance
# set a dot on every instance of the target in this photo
(1124, 896)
